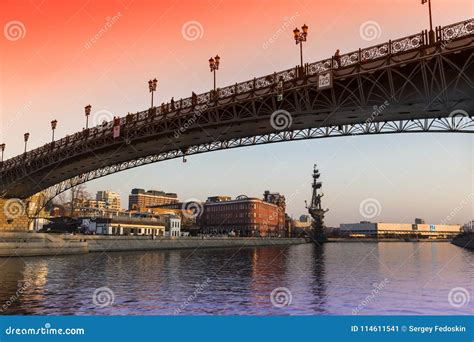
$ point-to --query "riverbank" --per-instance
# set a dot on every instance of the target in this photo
(381, 239)
(464, 240)
(42, 244)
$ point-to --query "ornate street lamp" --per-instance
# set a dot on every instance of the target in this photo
(54, 123)
(431, 33)
(26, 136)
(88, 112)
(214, 65)
(300, 37)
(152, 88)
(2, 147)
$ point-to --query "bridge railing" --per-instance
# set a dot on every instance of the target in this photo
(201, 101)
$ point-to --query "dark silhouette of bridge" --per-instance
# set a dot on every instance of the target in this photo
(402, 86)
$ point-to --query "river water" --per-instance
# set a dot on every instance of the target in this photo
(339, 278)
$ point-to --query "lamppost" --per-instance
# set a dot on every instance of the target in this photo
(300, 37)
(88, 112)
(431, 33)
(214, 65)
(54, 123)
(26, 136)
(152, 88)
(2, 147)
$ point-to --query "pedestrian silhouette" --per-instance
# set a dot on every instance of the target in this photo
(337, 58)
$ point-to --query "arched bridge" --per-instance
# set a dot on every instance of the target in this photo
(404, 85)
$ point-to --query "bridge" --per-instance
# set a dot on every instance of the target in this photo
(402, 86)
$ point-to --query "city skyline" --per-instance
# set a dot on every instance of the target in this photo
(112, 73)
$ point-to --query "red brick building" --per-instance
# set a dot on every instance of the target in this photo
(244, 216)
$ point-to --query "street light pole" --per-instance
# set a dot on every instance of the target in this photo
(54, 123)
(2, 147)
(88, 112)
(26, 136)
(152, 87)
(300, 37)
(214, 65)
(431, 33)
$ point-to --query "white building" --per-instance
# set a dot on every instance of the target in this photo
(172, 225)
(399, 229)
(110, 199)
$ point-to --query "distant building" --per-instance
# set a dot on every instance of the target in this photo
(110, 198)
(305, 218)
(419, 221)
(244, 216)
(382, 229)
(140, 199)
(172, 225)
(122, 225)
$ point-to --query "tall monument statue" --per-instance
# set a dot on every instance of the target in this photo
(315, 210)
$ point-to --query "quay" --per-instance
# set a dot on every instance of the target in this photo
(19, 244)
(465, 240)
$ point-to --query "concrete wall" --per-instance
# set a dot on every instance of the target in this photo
(30, 244)
(395, 226)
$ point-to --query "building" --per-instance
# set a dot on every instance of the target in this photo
(110, 198)
(122, 225)
(189, 213)
(408, 230)
(140, 199)
(244, 216)
(172, 225)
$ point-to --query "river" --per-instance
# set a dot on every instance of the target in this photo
(386, 278)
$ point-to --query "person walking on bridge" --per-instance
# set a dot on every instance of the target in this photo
(337, 58)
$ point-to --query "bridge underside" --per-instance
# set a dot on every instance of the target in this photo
(430, 89)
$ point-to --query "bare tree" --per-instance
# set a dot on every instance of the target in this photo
(78, 195)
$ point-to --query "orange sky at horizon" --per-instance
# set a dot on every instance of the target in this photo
(51, 74)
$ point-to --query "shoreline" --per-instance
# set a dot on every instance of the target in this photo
(18, 244)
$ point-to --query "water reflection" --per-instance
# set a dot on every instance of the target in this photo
(332, 279)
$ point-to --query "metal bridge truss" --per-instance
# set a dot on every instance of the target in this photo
(455, 124)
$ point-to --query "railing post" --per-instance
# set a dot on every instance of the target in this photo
(359, 56)
(390, 47)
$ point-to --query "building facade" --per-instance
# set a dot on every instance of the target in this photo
(244, 216)
(395, 230)
(140, 199)
(118, 225)
(111, 199)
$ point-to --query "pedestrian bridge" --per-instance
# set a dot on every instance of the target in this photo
(402, 86)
